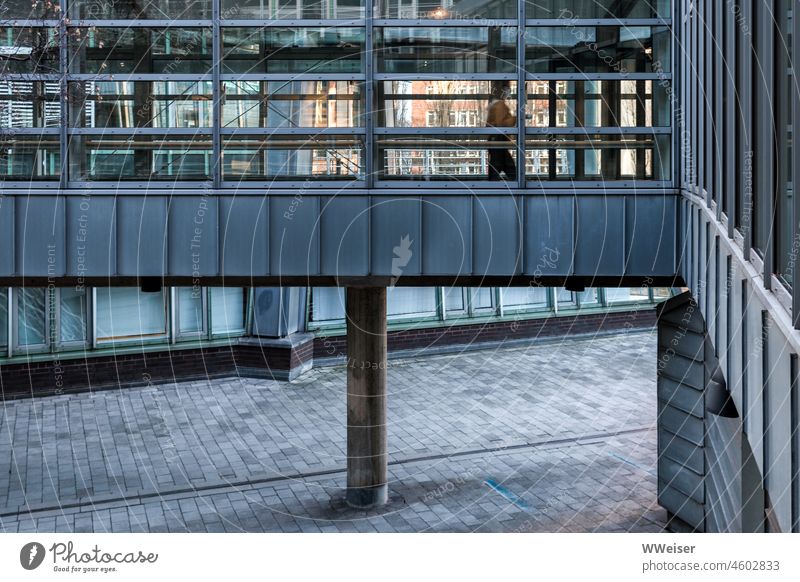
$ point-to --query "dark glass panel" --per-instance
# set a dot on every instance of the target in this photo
(292, 50)
(140, 50)
(140, 157)
(446, 50)
(597, 49)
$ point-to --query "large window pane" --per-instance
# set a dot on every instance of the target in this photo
(140, 157)
(450, 9)
(227, 309)
(411, 301)
(446, 50)
(439, 103)
(72, 315)
(30, 9)
(29, 104)
(327, 304)
(29, 157)
(598, 104)
(479, 157)
(598, 157)
(31, 317)
(482, 299)
(140, 50)
(182, 104)
(525, 297)
(191, 312)
(289, 157)
(292, 50)
(141, 9)
(627, 295)
(283, 104)
(127, 313)
(29, 50)
(292, 9)
(589, 298)
(597, 49)
(455, 299)
(569, 9)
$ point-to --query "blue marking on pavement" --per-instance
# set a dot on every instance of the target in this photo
(634, 463)
(507, 494)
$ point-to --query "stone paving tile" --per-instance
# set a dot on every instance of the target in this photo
(60, 449)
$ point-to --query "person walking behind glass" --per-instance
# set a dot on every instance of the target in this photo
(499, 115)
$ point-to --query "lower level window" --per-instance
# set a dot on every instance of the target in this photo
(125, 313)
(31, 317)
(190, 311)
(411, 301)
(72, 315)
(228, 305)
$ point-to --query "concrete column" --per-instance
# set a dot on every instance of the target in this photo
(366, 397)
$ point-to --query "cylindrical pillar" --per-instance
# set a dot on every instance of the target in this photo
(366, 397)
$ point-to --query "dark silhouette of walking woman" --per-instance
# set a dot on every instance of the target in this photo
(499, 115)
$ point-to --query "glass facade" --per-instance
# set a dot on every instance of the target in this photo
(431, 306)
(43, 321)
(69, 319)
(359, 92)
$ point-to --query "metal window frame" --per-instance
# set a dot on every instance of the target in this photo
(179, 336)
(162, 338)
(247, 321)
(14, 317)
(61, 345)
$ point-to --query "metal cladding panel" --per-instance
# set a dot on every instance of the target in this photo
(446, 235)
(682, 478)
(689, 427)
(91, 236)
(395, 236)
(688, 345)
(142, 230)
(294, 235)
(243, 235)
(39, 233)
(549, 235)
(650, 235)
(680, 396)
(344, 235)
(7, 235)
(193, 236)
(681, 451)
(497, 236)
(600, 236)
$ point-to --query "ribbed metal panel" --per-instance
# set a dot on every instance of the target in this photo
(318, 235)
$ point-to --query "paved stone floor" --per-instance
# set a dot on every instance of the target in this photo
(547, 437)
